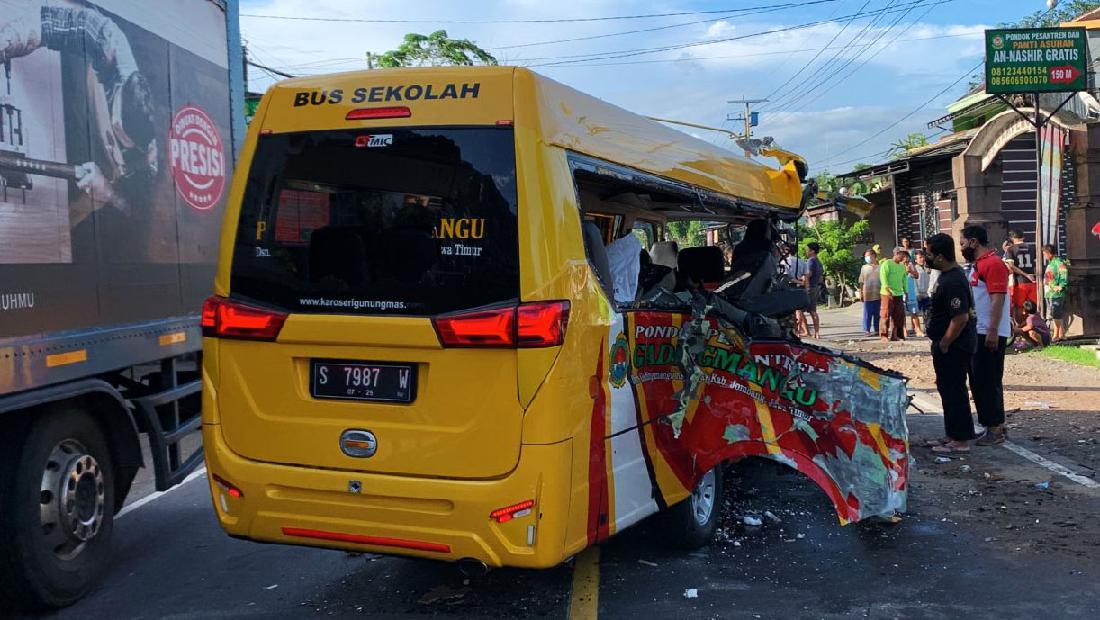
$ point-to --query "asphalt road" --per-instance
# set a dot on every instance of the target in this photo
(980, 540)
(173, 561)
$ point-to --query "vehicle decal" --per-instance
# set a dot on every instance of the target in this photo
(630, 489)
(598, 516)
(837, 419)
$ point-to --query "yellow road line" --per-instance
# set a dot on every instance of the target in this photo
(586, 585)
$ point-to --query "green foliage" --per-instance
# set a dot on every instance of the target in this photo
(837, 240)
(902, 146)
(1065, 12)
(687, 234)
(435, 50)
(1073, 355)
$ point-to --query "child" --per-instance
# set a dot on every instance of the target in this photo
(1034, 331)
(912, 305)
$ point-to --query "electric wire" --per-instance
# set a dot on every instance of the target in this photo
(566, 20)
(830, 67)
(741, 13)
(819, 53)
(907, 116)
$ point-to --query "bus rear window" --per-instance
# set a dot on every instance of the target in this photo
(411, 221)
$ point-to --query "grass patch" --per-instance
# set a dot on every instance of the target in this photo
(1073, 355)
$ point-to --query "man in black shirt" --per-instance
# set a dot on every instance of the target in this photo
(1018, 257)
(951, 326)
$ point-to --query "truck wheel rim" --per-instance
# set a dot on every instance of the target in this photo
(73, 499)
(702, 499)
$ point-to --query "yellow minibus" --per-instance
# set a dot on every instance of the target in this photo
(449, 322)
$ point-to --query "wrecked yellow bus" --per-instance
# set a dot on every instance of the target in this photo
(449, 322)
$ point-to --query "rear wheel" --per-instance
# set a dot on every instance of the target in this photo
(56, 511)
(692, 523)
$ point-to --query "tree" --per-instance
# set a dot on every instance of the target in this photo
(687, 234)
(435, 50)
(837, 239)
(901, 146)
(1051, 18)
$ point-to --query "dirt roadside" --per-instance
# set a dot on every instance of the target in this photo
(1053, 410)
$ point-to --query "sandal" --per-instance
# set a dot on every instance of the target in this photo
(948, 448)
(932, 443)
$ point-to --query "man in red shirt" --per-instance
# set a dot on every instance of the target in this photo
(989, 283)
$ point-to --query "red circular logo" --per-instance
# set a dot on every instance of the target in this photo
(198, 161)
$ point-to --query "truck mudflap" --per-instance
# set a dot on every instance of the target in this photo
(837, 419)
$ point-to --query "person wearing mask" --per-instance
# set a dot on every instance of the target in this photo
(1055, 282)
(814, 281)
(870, 292)
(989, 283)
(892, 274)
(951, 327)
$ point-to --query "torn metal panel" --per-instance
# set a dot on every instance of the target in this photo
(718, 395)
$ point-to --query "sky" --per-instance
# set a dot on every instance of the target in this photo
(845, 78)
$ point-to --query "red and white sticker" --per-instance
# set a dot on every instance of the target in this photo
(197, 158)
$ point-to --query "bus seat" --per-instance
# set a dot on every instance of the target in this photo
(597, 256)
(703, 265)
(664, 253)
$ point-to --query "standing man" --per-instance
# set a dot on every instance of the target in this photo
(989, 283)
(796, 269)
(870, 291)
(952, 331)
(1055, 281)
(892, 274)
(1021, 265)
(815, 279)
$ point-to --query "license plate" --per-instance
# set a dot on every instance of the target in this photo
(363, 381)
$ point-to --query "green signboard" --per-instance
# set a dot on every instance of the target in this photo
(1036, 60)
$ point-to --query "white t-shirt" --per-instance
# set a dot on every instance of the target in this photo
(624, 259)
(990, 277)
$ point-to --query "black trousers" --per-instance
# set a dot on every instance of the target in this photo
(987, 371)
(951, 370)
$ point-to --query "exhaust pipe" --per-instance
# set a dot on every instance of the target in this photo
(469, 567)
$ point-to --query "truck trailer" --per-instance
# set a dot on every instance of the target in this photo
(118, 126)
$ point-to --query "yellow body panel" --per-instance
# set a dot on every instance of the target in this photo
(527, 415)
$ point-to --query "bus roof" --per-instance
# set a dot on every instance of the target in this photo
(562, 116)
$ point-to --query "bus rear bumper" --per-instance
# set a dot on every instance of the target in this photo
(379, 513)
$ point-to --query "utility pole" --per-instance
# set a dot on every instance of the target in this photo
(749, 118)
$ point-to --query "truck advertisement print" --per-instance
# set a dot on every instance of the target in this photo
(114, 159)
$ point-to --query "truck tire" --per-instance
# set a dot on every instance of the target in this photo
(56, 511)
(692, 523)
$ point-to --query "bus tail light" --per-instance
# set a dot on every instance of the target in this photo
(528, 325)
(515, 511)
(542, 324)
(222, 318)
(395, 111)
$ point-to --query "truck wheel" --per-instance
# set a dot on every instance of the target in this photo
(691, 523)
(58, 514)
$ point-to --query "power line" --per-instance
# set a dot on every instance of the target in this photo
(806, 102)
(819, 53)
(269, 70)
(798, 89)
(612, 55)
(828, 81)
(758, 10)
(910, 114)
(566, 20)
